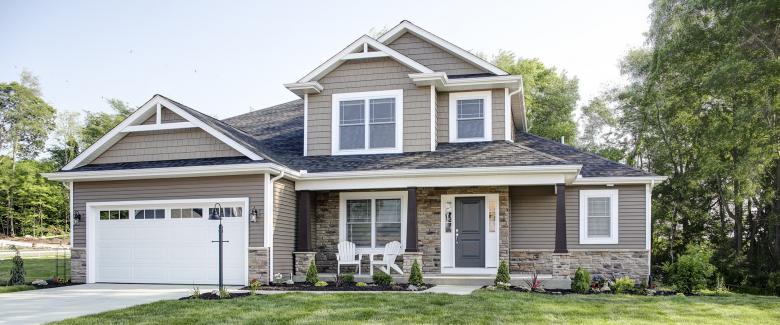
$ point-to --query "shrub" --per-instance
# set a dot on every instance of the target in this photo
(773, 283)
(382, 278)
(415, 276)
(320, 284)
(253, 286)
(312, 276)
(691, 271)
(361, 284)
(502, 276)
(17, 270)
(224, 293)
(195, 292)
(348, 278)
(624, 285)
(581, 282)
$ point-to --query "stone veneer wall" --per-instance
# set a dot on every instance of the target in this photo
(78, 265)
(258, 264)
(607, 263)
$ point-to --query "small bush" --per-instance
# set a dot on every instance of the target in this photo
(253, 286)
(382, 278)
(224, 293)
(17, 270)
(361, 284)
(320, 284)
(691, 271)
(624, 285)
(502, 276)
(348, 278)
(312, 276)
(581, 282)
(415, 276)
(195, 292)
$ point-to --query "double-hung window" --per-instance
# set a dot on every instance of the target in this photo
(598, 216)
(371, 220)
(470, 118)
(367, 122)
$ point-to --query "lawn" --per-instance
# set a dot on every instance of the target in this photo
(479, 308)
(36, 268)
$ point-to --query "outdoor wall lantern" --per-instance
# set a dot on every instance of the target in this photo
(216, 214)
(253, 215)
(76, 218)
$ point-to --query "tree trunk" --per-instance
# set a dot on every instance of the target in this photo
(10, 193)
(776, 210)
(738, 202)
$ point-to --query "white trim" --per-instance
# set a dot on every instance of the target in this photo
(365, 55)
(648, 215)
(373, 196)
(399, 29)
(397, 94)
(614, 231)
(336, 60)
(170, 172)
(91, 220)
(486, 96)
(507, 116)
(157, 127)
(305, 124)
(433, 118)
(429, 181)
(139, 116)
(300, 88)
(444, 83)
(492, 239)
(70, 189)
(158, 116)
(617, 180)
(268, 220)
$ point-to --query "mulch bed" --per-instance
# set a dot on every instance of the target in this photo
(50, 285)
(215, 296)
(303, 286)
(569, 291)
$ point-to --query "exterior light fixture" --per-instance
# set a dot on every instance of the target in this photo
(253, 215)
(76, 217)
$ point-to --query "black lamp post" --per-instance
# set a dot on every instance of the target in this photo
(216, 214)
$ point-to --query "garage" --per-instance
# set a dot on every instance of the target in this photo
(166, 241)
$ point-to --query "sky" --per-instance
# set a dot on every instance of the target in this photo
(226, 58)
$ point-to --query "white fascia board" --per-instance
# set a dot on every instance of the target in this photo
(302, 88)
(365, 55)
(158, 127)
(443, 83)
(170, 172)
(618, 180)
(337, 59)
(405, 26)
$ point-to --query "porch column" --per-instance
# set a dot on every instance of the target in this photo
(560, 219)
(411, 219)
(303, 226)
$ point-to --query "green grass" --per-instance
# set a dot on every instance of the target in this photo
(36, 268)
(479, 308)
(7, 289)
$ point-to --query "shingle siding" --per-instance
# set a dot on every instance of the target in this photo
(169, 116)
(284, 226)
(370, 75)
(166, 145)
(432, 56)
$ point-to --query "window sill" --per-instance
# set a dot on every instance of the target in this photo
(598, 241)
(367, 151)
(470, 140)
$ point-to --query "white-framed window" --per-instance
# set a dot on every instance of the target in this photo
(372, 219)
(186, 213)
(119, 214)
(470, 116)
(599, 216)
(150, 213)
(367, 122)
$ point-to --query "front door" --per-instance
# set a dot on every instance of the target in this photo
(470, 231)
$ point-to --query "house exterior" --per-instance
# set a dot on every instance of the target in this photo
(405, 137)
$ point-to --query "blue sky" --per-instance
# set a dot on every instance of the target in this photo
(223, 57)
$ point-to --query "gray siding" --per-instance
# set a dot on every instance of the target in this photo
(166, 145)
(443, 117)
(284, 225)
(432, 56)
(370, 75)
(151, 120)
(169, 116)
(170, 189)
(533, 217)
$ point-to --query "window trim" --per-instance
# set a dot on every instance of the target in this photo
(486, 96)
(398, 94)
(613, 194)
(373, 196)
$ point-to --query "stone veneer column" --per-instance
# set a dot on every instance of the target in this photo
(409, 258)
(78, 265)
(302, 261)
(258, 264)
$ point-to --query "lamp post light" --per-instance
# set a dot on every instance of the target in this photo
(217, 214)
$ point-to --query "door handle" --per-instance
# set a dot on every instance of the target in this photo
(457, 234)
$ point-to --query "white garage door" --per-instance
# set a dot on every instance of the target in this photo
(167, 242)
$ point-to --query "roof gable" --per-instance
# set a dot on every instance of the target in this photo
(434, 57)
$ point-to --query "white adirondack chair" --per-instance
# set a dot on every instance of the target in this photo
(346, 256)
(387, 263)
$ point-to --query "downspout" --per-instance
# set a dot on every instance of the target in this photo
(268, 219)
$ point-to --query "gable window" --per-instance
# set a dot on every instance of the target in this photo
(598, 216)
(371, 220)
(470, 118)
(367, 122)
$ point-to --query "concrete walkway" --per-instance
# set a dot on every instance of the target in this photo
(46, 305)
(462, 290)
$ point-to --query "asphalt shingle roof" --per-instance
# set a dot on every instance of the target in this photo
(166, 163)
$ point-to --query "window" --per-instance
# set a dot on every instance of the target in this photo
(470, 118)
(114, 214)
(367, 122)
(235, 212)
(371, 220)
(186, 213)
(150, 214)
(598, 216)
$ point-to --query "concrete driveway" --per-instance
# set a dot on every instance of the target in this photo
(46, 305)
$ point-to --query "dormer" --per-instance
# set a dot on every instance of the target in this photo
(406, 91)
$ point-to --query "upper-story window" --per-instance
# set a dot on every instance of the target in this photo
(367, 122)
(470, 118)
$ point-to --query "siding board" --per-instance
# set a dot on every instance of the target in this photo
(443, 117)
(432, 56)
(284, 225)
(166, 145)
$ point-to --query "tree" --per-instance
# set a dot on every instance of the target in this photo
(550, 96)
(600, 133)
(98, 124)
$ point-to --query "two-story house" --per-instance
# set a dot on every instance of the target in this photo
(405, 137)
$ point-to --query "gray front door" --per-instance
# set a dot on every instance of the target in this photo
(470, 232)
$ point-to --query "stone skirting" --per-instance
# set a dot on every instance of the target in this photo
(78, 265)
(409, 258)
(607, 263)
(258, 264)
(302, 261)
